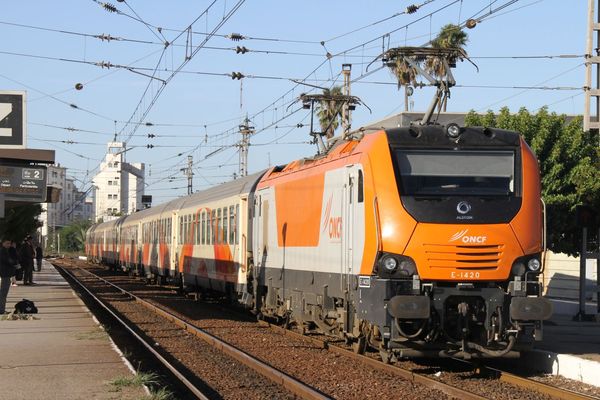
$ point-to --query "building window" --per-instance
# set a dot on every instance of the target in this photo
(109, 183)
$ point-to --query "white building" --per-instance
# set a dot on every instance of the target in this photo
(119, 185)
(72, 204)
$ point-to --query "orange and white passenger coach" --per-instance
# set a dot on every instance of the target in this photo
(420, 241)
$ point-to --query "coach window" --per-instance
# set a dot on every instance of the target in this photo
(361, 195)
(219, 226)
(186, 228)
(213, 226)
(197, 227)
(169, 232)
(202, 228)
(225, 233)
(232, 225)
(237, 223)
(179, 240)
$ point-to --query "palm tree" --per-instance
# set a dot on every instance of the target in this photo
(329, 110)
(405, 74)
(450, 36)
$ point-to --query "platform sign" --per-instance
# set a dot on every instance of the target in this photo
(13, 121)
(23, 183)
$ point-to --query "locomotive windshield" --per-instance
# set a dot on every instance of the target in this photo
(456, 172)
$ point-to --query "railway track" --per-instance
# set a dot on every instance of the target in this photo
(297, 388)
(504, 382)
(481, 369)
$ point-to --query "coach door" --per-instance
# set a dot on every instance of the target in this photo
(261, 228)
(348, 211)
(174, 242)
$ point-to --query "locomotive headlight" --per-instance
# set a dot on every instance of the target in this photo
(534, 265)
(453, 130)
(389, 263)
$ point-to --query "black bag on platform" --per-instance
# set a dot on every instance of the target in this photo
(25, 307)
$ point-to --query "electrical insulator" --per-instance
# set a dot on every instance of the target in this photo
(150, 146)
(151, 135)
(236, 37)
(242, 50)
(109, 7)
(237, 75)
(149, 124)
(78, 86)
(412, 9)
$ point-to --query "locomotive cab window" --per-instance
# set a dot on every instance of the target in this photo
(456, 173)
(361, 196)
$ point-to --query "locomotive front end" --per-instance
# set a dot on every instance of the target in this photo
(464, 281)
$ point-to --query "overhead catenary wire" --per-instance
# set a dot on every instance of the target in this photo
(232, 131)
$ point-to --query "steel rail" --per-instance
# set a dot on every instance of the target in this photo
(281, 378)
(449, 390)
(198, 393)
(541, 387)
(503, 376)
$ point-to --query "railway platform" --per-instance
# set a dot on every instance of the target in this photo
(61, 352)
(569, 348)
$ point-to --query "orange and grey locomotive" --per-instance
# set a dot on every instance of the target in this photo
(420, 241)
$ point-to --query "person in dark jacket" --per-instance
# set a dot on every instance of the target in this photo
(39, 255)
(12, 251)
(26, 253)
(7, 270)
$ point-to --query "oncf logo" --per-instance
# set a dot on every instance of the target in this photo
(463, 237)
(334, 224)
(335, 227)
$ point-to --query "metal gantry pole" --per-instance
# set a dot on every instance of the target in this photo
(591, 61)
(346, 119)
(189, 172)
(246, 131)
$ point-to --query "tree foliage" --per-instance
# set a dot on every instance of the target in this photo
(569, 162)
(330, 111)
(73, 236)
(20, 221)
(450, 36)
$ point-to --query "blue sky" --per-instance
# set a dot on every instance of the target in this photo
(201, 112)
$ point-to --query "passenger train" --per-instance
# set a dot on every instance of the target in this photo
(419, 241)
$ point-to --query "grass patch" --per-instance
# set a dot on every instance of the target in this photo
(161, 394)
(150, 380)
(137, 380)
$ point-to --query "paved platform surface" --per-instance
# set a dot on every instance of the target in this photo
(565, 336)
(61, 354)
(569, 348)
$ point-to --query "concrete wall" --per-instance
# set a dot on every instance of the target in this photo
(561, 277)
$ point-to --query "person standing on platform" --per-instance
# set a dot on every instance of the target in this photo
(39, 255)
(12, 251)
(27, 253)
(7, 270)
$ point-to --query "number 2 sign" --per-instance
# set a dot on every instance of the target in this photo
(12, 119)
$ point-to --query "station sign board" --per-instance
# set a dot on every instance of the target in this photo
(13, 121)
(23, 183)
